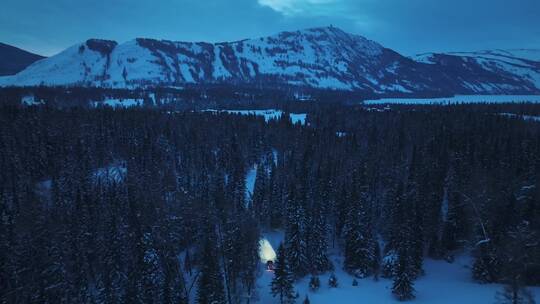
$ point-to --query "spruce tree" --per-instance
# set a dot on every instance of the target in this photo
(487, 265)
(259, 199)
(403, 286)
(517, 252)
(514, 293)
(360, 246)
(317, 242)
(282, 283)
(333, 281)
(314, 283)
(210, 284)
(295, 237)
(455, 223)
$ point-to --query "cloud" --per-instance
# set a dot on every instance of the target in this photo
(303, 7)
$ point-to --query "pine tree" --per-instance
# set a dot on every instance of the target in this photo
(455, 221)
(187, 263)
(295, 237)
(249, 255)
(282, 283)
(210, 284)
(317, 242)
(517, 252)
(113, 262)
(514, 293)
(415, 201)
(275, 200)
(260, 196)
(174, 289)
(152, 273)
(333, 281)
(360, 246)
(231, 246)
(487, 266)
(402, 287)
(314, 283)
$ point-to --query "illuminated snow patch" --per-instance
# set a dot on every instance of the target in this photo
(266, 252)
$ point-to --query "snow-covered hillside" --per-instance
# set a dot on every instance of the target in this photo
(492, 71)
(325, 58)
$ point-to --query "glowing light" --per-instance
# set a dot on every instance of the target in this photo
(266, 252)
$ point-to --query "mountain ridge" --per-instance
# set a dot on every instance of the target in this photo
(321, 58)
(14, 59)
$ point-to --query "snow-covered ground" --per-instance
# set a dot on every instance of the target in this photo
(443, 283)
(268, 115)
(459, 99)
(524, 117)
(120, 103)
(250, 181)
(298, 118)
(30, 100)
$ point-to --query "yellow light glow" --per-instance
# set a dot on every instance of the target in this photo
(266, 252)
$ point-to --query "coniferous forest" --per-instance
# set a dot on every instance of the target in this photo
(150, 206)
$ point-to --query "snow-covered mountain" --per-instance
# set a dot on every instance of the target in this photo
(326, 58)
(492, 71)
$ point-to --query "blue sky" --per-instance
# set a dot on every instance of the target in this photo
(407, 26)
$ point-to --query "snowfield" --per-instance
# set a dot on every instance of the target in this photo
(458, 99)
(443, 283)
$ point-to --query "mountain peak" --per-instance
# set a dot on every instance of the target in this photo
(326, 29)
(325, 32)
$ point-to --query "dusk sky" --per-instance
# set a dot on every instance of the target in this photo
(407, 26)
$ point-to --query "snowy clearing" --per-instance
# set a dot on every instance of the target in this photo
(30, 100)
(524, 117)
(443, 283)
(119, 103)
(298, 118)
(270, 114)
(459, 99)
